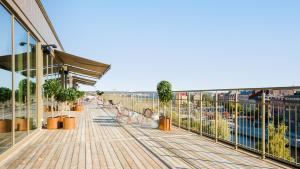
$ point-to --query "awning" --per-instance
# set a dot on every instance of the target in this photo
(81, 80)
(84, 81)
(81, 65)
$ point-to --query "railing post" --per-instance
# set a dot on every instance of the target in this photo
(158, 106)
(171, 111)
(201, 107)
(153, 102)
(138, 104)
(189, 110)
(263, 126)
(216, 118)
(179, 119)
(236, 120)
(131, 99)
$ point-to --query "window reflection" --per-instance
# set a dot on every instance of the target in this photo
(5, 85)
(32, 79)
(21, 81)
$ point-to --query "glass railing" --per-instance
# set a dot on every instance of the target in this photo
(260, 120)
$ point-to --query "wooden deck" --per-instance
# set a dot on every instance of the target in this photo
(100, 142)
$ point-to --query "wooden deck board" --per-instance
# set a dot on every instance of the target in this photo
(99, 142)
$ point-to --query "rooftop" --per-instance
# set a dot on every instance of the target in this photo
(100, 142)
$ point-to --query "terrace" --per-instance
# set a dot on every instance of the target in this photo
(99, 141)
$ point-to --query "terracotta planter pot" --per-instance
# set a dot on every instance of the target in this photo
(52, 123)
(5, 126)
(78, 108)
(60, 120)
(164, 123)
(21, 124)
(69, 123)
(45, 109)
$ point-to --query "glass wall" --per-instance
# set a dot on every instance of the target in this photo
(32, 81)
(21, 79)
(5, 85)
(18, 81)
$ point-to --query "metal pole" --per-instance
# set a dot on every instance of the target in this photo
(13, 82)
(189, 110)
(171, 111)
(263, 126)
(296, 130)
(216, 119)
(158, 106)
(28, 86)
(138, 106)
(179, 119)
(236, 120)
(131, 98)
(153, 102)
(201, 107)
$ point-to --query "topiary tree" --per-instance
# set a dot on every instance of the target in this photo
(79, 94)
(51, 88)
(5, 95)
(164, 91)
(72, 96)
(61, 97)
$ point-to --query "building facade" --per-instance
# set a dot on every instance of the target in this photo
(25, 30)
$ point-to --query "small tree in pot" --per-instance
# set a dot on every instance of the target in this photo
(164, 91)
(51, 88)
(61, 98)
(79, 95)
(71, 97)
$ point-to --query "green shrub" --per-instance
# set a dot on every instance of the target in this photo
(164, 91)
(5, 94)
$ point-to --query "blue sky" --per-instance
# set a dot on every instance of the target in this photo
(194, 44)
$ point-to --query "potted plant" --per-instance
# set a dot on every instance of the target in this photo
(61, 98)
(164, 91)
(71, 96)
(51, 88)
(5, 97)
(78, 106)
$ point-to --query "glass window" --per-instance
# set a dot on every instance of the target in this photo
(21, 81)
(32, 82)
(5, 85)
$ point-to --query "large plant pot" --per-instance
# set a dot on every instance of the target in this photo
(46, 109)
(5, 126)
(69, 123)
(21, 124)
(61, 120)
(164, 123)
(52, 123)
(78, 108)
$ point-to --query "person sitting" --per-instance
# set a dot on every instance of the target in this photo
(118, 113)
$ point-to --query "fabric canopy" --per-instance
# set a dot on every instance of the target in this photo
(81, 65)
(84, 81)
(81, 80)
